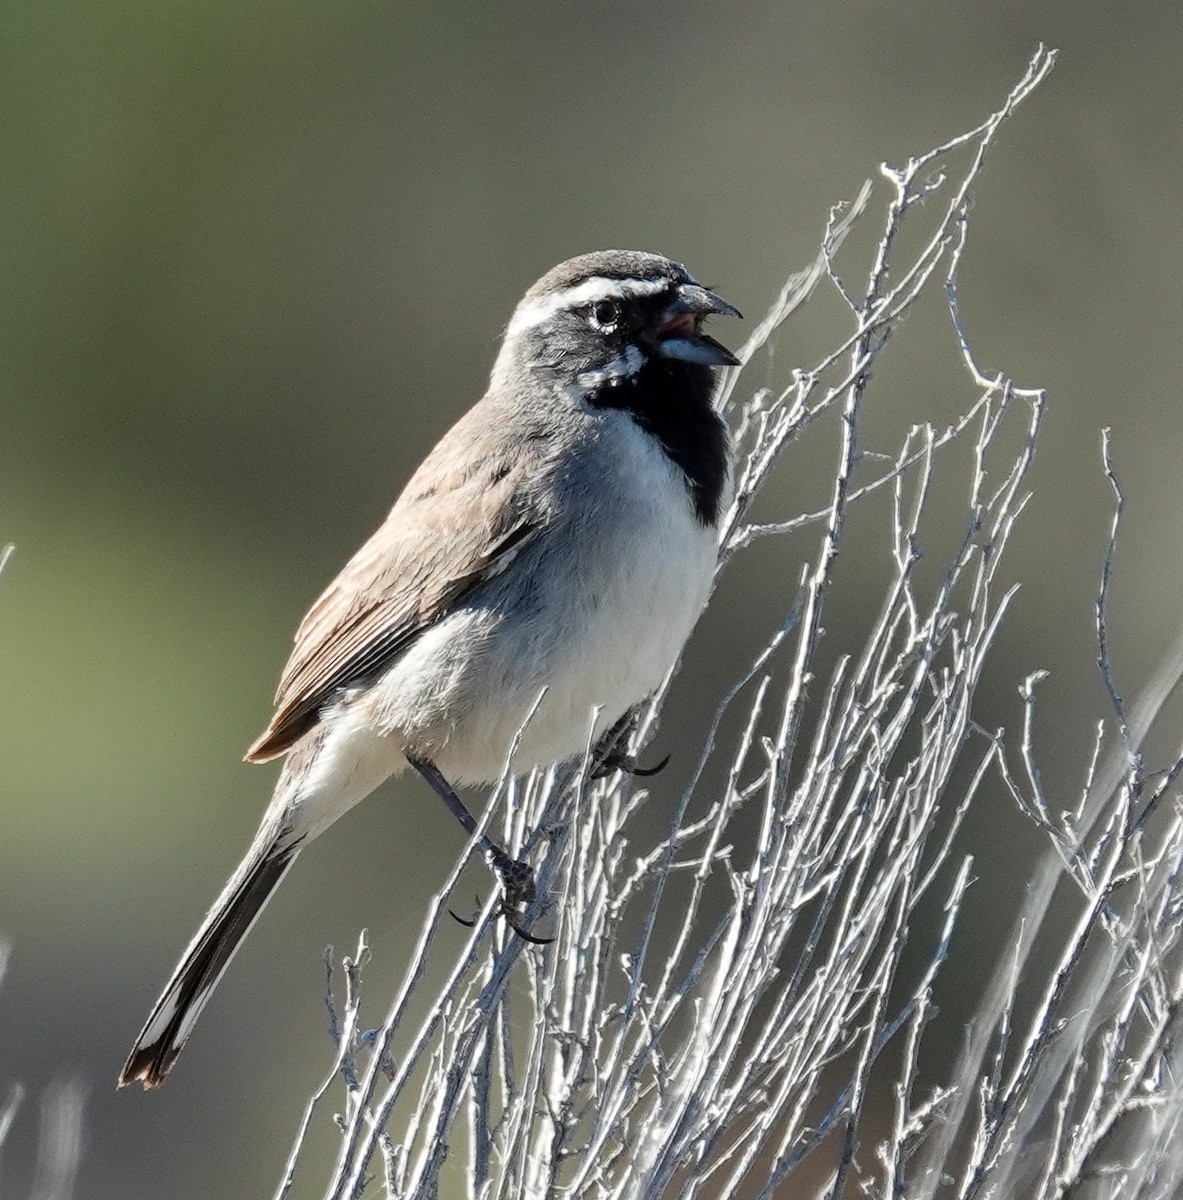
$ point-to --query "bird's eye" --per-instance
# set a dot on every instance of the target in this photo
(605, 314)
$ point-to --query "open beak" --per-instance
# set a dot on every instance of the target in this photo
(680, 334)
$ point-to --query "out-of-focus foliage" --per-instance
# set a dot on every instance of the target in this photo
(255, 259)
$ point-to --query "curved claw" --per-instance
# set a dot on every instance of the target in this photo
(467, 922)
(524, 934)
(517, 878)
(628, 764)
(510, 915)
(646, 772)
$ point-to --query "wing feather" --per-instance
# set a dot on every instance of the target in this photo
(465, 514)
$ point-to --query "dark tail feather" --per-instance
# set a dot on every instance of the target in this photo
(203, 963)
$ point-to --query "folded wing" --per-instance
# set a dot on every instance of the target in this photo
(465, 514)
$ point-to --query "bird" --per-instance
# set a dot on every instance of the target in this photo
(559, 541)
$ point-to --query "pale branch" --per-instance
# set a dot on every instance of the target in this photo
(715, 1007)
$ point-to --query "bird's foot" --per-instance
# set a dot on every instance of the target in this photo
(619, 760)
(610, 753)
(517, 882)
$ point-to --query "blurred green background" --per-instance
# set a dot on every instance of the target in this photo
(255, 260)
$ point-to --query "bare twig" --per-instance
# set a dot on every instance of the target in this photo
(715, 1007)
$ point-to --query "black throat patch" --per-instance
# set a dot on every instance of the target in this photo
(672, 401)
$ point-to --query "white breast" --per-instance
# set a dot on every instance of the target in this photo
(597, 613)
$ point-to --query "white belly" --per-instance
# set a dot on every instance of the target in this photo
(597, 616)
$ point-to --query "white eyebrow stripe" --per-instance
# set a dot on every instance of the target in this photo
(598, 287)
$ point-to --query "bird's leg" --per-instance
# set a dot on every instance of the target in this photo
(610, 754)
(517, 877)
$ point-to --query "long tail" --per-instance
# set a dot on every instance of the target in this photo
(203, 963)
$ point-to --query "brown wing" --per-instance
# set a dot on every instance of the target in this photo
(461, 519)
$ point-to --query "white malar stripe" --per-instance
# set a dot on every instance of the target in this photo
(619, 369)
(598, 287)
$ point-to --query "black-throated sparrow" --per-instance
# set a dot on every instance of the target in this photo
(562, 535)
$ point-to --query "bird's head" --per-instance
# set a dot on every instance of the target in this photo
(599, 324)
